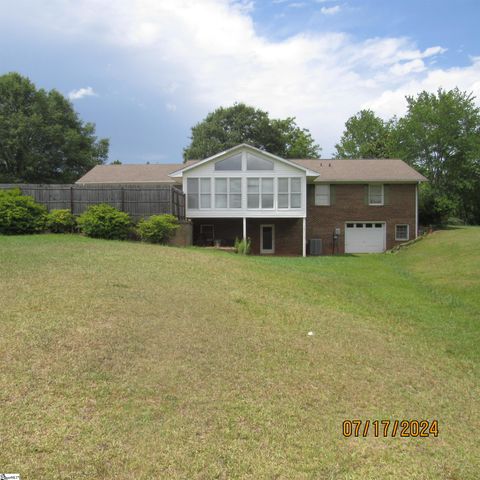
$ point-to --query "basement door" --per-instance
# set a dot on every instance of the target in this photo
(364, 237)
(267, 239)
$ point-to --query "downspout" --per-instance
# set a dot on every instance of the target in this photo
(416, 209)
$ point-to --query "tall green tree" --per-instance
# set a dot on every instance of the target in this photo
(42, 138)
(367, 136)
(228, 126)
(440, 136)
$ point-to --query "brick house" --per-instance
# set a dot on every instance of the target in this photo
(287, 207)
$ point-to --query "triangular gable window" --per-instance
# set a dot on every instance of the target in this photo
(257, 163)
(230, 163)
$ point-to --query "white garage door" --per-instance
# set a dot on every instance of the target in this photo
(362, 237)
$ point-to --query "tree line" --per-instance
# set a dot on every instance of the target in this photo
(43, 140)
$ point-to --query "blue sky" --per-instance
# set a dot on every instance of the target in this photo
(145, 71)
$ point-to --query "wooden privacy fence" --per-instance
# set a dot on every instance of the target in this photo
(138, 201)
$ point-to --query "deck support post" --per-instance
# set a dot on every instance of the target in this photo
(304, 237)
(244, 228)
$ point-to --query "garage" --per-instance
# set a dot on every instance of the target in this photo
(364, 237)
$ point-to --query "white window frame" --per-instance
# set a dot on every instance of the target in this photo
(397, 238)
(289, 193)
(261, 193)
(228, 193)
(199, 193)
(326, 196)
(370, 194)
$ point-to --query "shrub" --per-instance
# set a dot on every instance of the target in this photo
(60, 221)
(104, 221)
(242, 247)
(157, 228)
(20, 213)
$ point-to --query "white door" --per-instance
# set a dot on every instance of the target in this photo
(364, 237)
(267, 239)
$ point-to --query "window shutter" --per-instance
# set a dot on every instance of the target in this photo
(366, 194)
(386, 194)
(310, 194)
(332, 194)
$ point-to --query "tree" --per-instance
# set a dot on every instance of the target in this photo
(116, 162)
(440, 135)
(226, 127)
(367, 136)
(42, 138)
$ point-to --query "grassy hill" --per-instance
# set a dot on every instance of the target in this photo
(123, 360)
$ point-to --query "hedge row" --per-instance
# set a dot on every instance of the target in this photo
(20, 214)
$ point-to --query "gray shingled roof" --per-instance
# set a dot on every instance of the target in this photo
(377, 170)
(371, 170)
(132, 173)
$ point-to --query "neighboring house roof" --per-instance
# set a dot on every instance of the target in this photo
(132, 173)
(361, 170)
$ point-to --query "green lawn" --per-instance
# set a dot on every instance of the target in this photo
(123, 360)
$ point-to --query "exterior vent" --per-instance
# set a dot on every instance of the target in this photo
(315, 246)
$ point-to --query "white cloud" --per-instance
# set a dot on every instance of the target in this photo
(171, 107)
(81, 93)
(206, 54)
(330, 10)
(297, 5)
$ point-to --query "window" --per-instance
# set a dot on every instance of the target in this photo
(221, 193)
(260, 193)
(231, 163)
(199, 194)
(235, 193)
(322, 195)
(283, 192)
(401, 232)
(295, 193)
(192, 193)
(257, 163)
(267, 192)
(228, 193)
(289, 194)
(205, 193)
(253, 193)
(375, 194)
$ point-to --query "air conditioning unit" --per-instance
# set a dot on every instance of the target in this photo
(315, 246)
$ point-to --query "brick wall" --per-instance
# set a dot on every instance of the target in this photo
(288, 234)
(183, 235)
(349, 205)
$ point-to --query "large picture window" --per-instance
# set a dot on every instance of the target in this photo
(289, 193)
(260, 193)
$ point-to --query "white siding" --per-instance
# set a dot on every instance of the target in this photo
(280, 170)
